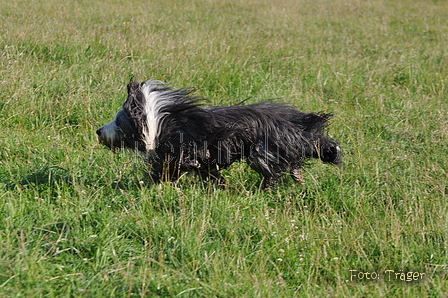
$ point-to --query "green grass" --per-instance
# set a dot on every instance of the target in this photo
(79, 221)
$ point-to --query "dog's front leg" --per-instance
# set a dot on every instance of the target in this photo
(157, 169)
(213, 176)
(296, 174)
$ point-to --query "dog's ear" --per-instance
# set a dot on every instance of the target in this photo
(133, 106)
(133, 85)
(134, 103)
(316, 122)
(131, 82)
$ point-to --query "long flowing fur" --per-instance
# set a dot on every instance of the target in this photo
(180, 135)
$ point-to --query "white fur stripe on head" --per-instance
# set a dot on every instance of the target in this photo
(154, 102)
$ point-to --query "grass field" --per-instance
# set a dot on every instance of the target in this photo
(79, 221)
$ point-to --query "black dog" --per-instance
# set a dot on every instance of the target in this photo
(179, 135)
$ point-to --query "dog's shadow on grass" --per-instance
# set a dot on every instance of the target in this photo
(46, 175)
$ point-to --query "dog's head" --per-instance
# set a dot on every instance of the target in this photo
(139, 124)
(324, 148)
(329, 151)
(135, 126)
(120, 133)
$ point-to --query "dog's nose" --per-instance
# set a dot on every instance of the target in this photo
(98, 131)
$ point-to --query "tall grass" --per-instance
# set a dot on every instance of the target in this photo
(77, 220)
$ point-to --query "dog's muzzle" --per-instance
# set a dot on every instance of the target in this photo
(99, 132)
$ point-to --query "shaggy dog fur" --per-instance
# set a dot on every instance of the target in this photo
(179, 135)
